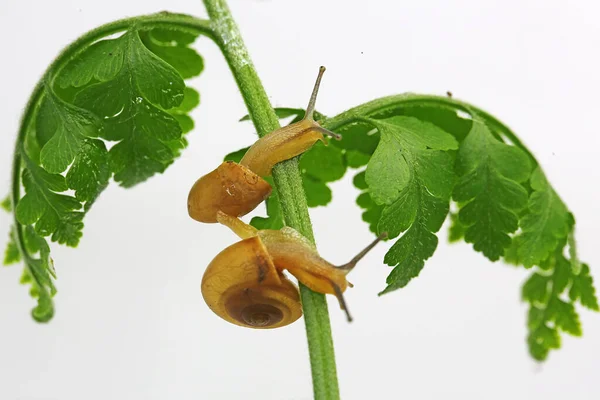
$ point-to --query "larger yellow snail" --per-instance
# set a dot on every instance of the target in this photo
(245, 284)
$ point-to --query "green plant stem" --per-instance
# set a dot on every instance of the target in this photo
(160, 20)
(288, 182)
(385, 105)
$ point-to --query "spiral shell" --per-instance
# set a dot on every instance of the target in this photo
(230, 188)
(242, 286)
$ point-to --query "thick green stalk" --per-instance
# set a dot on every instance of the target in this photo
(291, 193)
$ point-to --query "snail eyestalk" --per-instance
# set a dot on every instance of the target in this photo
(341, 300)
(310, 109)
(348, 267)
(289, 141)
(352, 263)
(327, 132)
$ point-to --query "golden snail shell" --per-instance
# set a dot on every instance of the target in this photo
(230, 188)
(242, 286)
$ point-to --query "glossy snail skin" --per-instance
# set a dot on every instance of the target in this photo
(231, 188)
(290, 251)
(282, 144)
(289, 141)
(242, 286)
(236, 189)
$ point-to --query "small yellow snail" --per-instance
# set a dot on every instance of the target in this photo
(236, 189)
(242, 286)
(245, 284)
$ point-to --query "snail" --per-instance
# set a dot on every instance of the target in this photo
(245, 284)
(236, 189)
(242, 286)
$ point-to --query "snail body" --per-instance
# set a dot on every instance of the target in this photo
(289, 141)
(236, 189)
(245, 283)
(283, 249)
(292, 252)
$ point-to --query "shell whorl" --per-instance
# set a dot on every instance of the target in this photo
(242, 286)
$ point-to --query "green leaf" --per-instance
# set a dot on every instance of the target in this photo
(511, 255)
(90, 172)
(11, 254)
(413, 177)
(582, 289)
(115, 89)
(549, 312)
(44, 311)
(171, 46)
(317, 192)
(451, 121)
(565, 317)
(546, 224)
(451, 116)
(31, 239)
(359, 137)
(236, 156)
(407, 186)
(323, 163)
(489, 190)
(62, 129)
(356, 159)
(173, 36)
(131, 100)
(52, 213)
(409, 253)
(360, 181)
(6, 204)
(191, 100)
(407, 148)
(39, 274)
(186, 123)
(319, 165)
(274, 219)
(31, 146)
(456, 231)
(101, 62)
(541, 340)
(372, 213)
(536, 289)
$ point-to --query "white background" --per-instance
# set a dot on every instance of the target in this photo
(130, 321)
